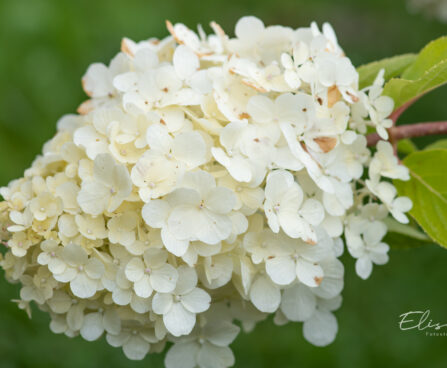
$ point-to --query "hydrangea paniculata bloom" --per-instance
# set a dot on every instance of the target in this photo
(208, 180)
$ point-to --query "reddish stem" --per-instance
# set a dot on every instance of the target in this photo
(396, 114)
(397, 133)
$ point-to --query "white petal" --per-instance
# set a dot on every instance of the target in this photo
(333, 226)
(400, 217)
(58, 324)
(56, 265)
(196, 301)
(125, 82)
(248, 28)
(60, 302)
(94, 268)
(182, 355)
(82, 286)
(220, 200)
(309, 273)
(112, 322)
(186, 62)
(93, 197)
(164, 278)
(321, 329)
(92, 328)
(187, 280)
(261, 108)
(212, 356)
(278, 183)
(136, 348)
(158, 138)
(298, 303)
(143, 287)
(97, 81)
(272, 218)
(121, 183)
(265, 295)
(161, 303)
(140, 305)
(122, 296)
(200, 181)
(312, 211)
(155, 213)
(294, 226)
(145, 59)
(134, 269)
(374, 232)
(155, 257)
(363, 267)
(281, 270)
(74, 255)
(222, 333)
(190, 148)
(117, 340)
(67, 275)
(238, 168)
(75, 317)
(200, 83)
(185, 222)
(332, 283)
(103, 168)
(175, 246)
(178, 320)
(215, 227)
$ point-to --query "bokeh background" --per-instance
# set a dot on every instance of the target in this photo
(46, 45)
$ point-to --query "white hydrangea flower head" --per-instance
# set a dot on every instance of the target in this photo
(207, 181)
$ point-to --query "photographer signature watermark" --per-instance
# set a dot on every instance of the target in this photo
(420, 321)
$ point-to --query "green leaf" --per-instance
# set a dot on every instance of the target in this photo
(405, 229)
(427, 72)
(432, 54)
(393, 66)
(441, 144)
(428, 190)
(406, 146)
(403, 90)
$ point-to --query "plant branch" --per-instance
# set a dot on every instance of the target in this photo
(397, 133)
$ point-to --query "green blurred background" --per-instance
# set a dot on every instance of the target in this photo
(46, 45)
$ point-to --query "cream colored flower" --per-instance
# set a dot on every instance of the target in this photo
(122, 228)
(51, 256)
(45, 206)
(19, 244)
(151, 273)
(179, 307)
(83, 273)
(91, 227)
(107, 189)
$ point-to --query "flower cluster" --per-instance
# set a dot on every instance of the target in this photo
(208, 180)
